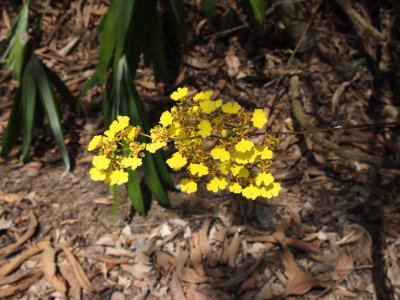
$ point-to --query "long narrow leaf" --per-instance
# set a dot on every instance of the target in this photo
(16, 55)
(210, 8)
(257, 7)
(135, 192)
(115, 192)
(178, 18)
(50, 106)
(14, 126)
(62, 88)
(28, 107)
(150, 171)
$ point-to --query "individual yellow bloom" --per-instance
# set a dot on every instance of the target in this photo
(208, 106)
(230, 108)
(179, 94)
(203, 96)
(96, 174)
(219, 152)
(218, 103)
(94, 143)
(217, 183)
(131, 162)
(118, 177)
(259, 119)
(177, 161)
(243, 157)
(101, 162)
(225, 167)
(198, 169)
(235, 187)
(239, 171)
(251, 192)
(153, 147)
(244, 145)
(110, 135)
(188, 186)
(266, 154)
(272, 190)
(166, 118)
(264, 178)
(205, 128)
(131, 133)
(175, 129)
(117, 126)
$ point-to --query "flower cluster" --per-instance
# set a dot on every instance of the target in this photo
(213, 139)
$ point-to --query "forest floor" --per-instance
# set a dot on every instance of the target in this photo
(333, 232)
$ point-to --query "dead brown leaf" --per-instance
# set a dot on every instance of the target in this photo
(74, 286)
(187, 274)
(12, 265)
(10, 197)
(195, 254)
(193, 294)
(21, 286)
(176, 290)
(48, 263)
(31, 229)
(343, 267)
(300, 283)
(204, 244)
(165, 261)
(78, 270)
(233, 250)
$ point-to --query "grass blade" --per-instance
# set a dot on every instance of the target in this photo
(28, 108)
(257, 6)
(50, 106)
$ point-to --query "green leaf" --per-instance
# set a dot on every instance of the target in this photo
(210, 8)
(62, 88)
(130, 105)
(135, 192)
(257, 7)
(28, 107)
(15, 53)
(115, 192)
(13, 130)
(116, 25)
(178, 19)
(50, 106)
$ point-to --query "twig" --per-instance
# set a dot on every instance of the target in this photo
(306, 123)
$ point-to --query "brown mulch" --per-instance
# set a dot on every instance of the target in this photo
(331, 234)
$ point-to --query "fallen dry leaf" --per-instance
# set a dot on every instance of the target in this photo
(176, 290)
(204, 244)
(78, 270)
(28, 233)
(300, 283)
(21, 286)
(10, 197)
(185, 273)
(13, 264)
(195, 254)
(74, 286)
(165, 261)
(48, 263)
(193, 294)
(233, 250)
(343, 267)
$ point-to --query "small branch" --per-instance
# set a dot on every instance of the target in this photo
(306, 123)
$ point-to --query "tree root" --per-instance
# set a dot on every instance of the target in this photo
(307, 124)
